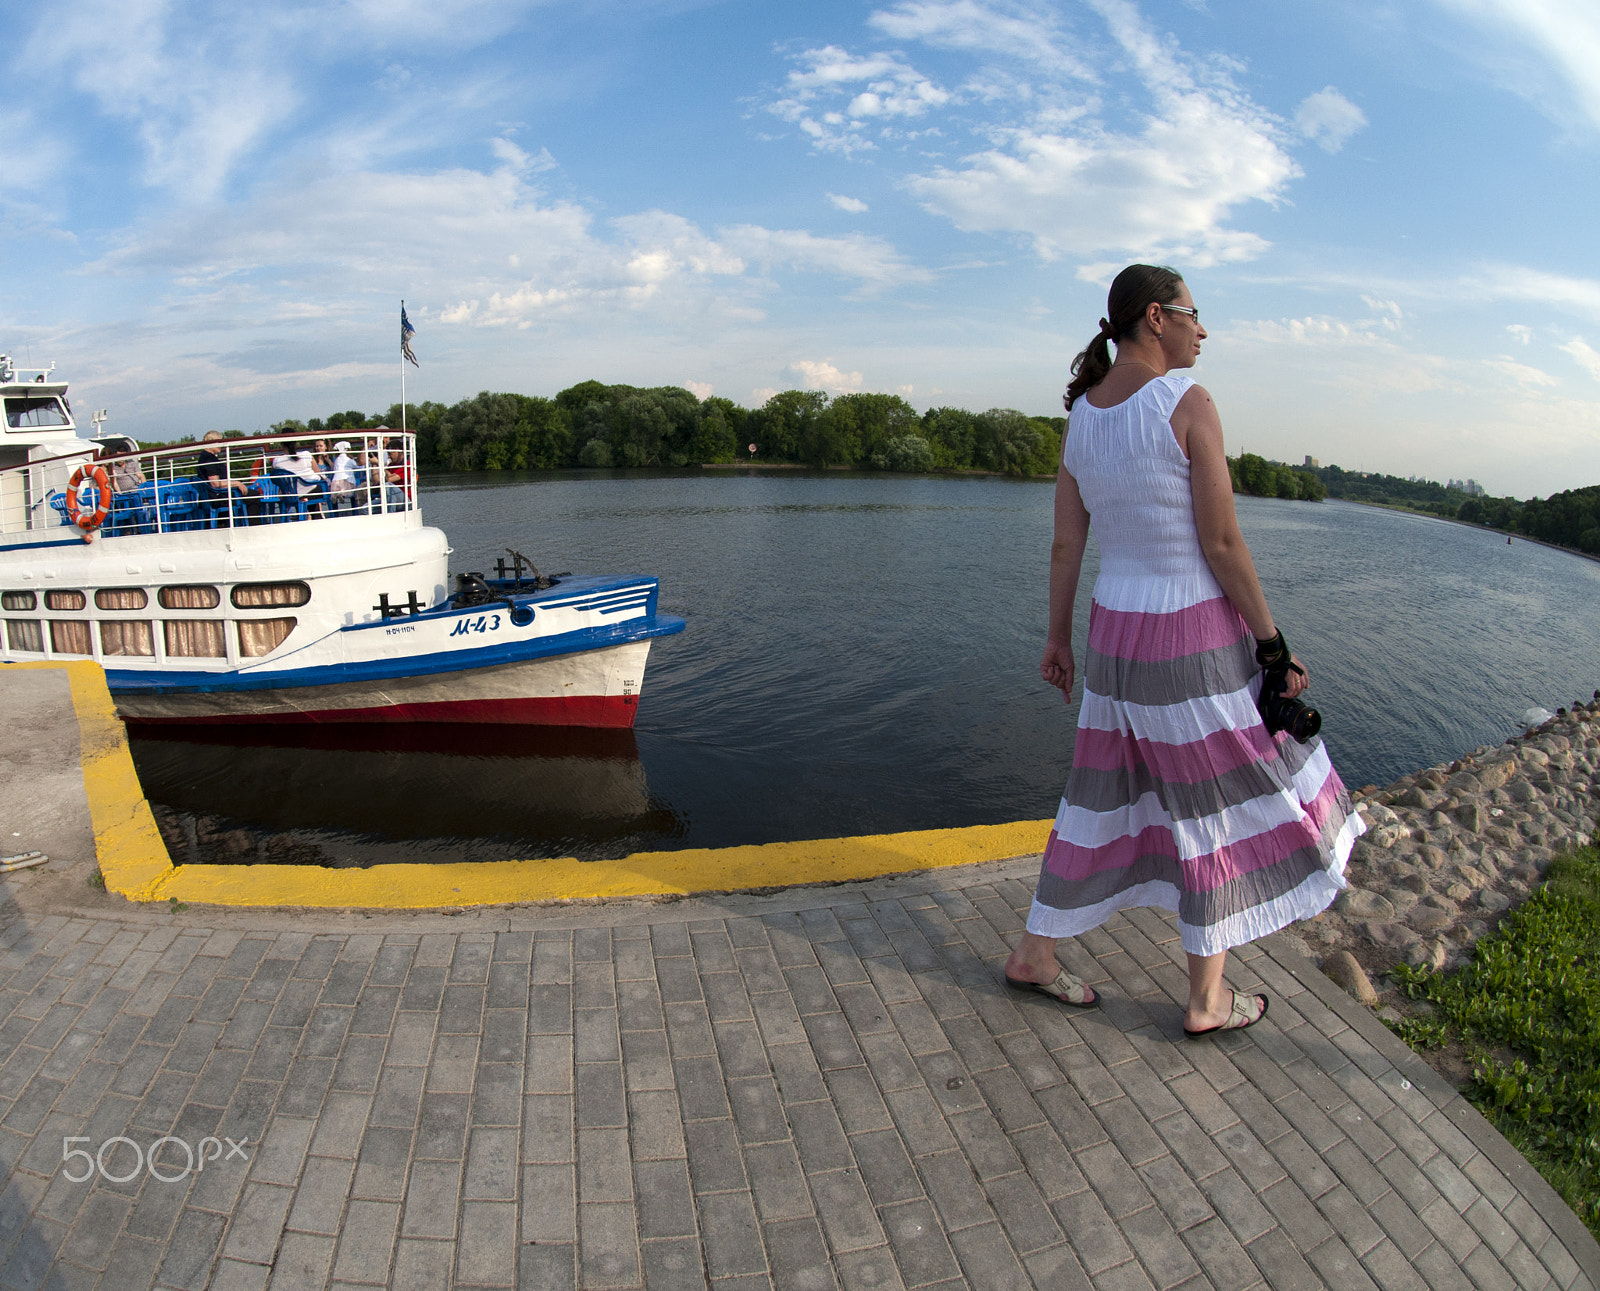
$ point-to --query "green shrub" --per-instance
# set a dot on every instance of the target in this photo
(904, 453)
(595, 453)
(1532, 991)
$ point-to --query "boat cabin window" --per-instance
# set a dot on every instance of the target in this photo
(69, 636)
(25, 634)
(262, 636)
(125, 637)
(199, 596)
(28, 412)
(194, 639)
(17, 600)
(249, 596)
(65, 601)
(121, 598)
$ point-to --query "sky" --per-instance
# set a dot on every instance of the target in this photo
(1385, 211)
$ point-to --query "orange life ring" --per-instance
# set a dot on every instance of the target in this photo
(88, 496)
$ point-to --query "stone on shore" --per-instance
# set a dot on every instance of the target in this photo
(1341, 967)
(1450, 849)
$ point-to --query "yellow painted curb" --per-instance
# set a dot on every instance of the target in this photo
(132, 856)
(136, 865)
(700, 869)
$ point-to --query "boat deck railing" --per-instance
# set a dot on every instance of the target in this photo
(223, 484)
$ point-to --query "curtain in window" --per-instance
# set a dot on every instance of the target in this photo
(194, 638)
(64, 600)
(17, 600)
(126, 637)
(25, 634)
(262, 636)
(68, 636)
(199, 597)
(249, 596)
(121, 598)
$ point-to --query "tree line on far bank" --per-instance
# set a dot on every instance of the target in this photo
(1567, 519)
(598, 425)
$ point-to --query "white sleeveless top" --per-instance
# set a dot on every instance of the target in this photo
(1134, 480)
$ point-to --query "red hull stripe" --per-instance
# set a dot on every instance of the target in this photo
(572, 710)
(1156, 638)
(1193, 763)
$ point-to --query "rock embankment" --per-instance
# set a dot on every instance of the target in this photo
(1452, 848)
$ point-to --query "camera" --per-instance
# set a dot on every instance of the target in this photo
(1280, 713)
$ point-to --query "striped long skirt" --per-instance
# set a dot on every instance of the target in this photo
(1179, 797)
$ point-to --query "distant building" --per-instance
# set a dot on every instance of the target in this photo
(1311, 462)
(1470, 487)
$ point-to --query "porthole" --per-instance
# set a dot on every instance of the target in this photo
(259, 596)
(66, 601)
(18, 600)
(121, 598)
(194, 596)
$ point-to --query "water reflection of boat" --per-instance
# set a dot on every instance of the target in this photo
(349, 795)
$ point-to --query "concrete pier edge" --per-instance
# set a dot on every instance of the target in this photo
(136, 864)
(904, 952)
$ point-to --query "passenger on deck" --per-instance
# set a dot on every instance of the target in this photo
(391, 468)
(213, 474)
(342, 485)
(308, 482)
(126, 477)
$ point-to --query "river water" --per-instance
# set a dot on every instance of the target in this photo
(862, 657)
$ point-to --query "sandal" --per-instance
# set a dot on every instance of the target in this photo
(1065, 989)
(1238, 1019)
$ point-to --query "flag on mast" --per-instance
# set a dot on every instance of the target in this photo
(406, 333)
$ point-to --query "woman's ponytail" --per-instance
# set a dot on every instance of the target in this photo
(1132, 292)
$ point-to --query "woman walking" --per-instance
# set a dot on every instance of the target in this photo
(1179, 797)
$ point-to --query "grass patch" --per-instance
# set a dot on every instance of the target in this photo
(1527, 1009)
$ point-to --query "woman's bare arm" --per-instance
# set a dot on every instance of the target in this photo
(1199, 433)
(1066, 564)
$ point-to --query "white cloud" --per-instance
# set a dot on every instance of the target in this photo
(822, 375)
(198, 98)
(1074, 185)
(759, 396)
(1020, 35)
(860, 90)
(486, 247)
(1328, 119)
(1382, 358)
(1584, 355)
(521, 162)
(1520, 333)
(1563, 34)
(1056, 173)
(1535, 286)
(852, 204)
(1519, 373)
(699, 389)
(1389, 314)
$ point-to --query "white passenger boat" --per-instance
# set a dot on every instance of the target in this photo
(263, 580)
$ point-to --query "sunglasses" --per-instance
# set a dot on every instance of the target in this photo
(1179, 309)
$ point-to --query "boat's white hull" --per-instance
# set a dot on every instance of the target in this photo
(597, 687)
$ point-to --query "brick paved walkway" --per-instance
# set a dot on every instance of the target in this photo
(822, 1089)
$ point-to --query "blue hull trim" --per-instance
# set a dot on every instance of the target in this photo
(127, 681)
